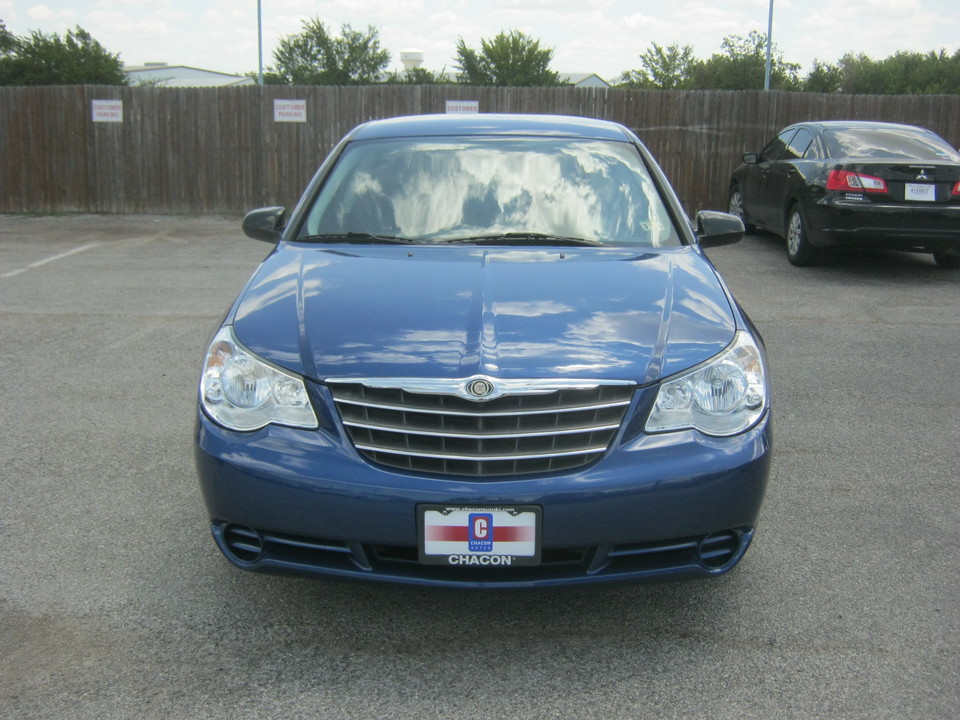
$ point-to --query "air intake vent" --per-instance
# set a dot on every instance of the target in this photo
(527, 426)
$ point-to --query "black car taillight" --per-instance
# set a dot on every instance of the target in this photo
(846, 181)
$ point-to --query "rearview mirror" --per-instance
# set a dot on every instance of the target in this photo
(718, 228)
(265, 223)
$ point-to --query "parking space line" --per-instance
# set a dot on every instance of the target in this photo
(51, 259)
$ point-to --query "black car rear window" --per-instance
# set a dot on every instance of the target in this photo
(901, 143)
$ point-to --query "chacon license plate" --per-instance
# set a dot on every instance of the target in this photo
(480, 537)
(922, 192)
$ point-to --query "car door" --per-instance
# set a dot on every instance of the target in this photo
(781, 178)
(756, 192)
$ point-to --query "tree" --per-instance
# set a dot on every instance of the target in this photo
(75, 59)
(8, 41)
(416, 76)
(742, 66)
(823, 78)
(314, 57)
(509, 60)
(663, 68)
(904, 73)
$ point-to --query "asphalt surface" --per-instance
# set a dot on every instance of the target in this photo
(114, 602)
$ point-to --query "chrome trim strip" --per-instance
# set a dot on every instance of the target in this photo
(470, 436)
(482, 458)
(516, 413)
(458, 386)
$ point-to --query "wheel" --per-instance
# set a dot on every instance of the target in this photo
(948, 261)
(799, 249)
(735, 207)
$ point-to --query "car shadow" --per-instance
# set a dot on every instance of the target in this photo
(328, 612)
(860, 263)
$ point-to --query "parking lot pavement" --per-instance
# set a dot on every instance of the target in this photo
(114, 602)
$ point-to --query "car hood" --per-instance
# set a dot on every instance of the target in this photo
(453, 312)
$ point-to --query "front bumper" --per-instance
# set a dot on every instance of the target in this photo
(677, 504)
(835, 221)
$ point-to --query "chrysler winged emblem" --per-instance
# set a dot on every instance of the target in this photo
(480, 387)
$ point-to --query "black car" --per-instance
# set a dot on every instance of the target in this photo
(870, 184)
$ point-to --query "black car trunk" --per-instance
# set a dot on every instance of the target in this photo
(912, 183)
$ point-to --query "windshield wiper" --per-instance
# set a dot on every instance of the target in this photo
(358, 238)
(522, 238)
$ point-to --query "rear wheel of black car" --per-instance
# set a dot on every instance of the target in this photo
(735, 207)
(799, 250)
(948, 261)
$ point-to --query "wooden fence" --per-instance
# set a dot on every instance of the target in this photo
(219, 150)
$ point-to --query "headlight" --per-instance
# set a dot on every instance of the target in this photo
(725, 396)
(242, 392)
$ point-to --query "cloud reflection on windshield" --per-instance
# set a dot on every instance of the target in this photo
(444, 189)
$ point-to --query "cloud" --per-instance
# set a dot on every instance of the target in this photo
(113, 4)
(44, 13)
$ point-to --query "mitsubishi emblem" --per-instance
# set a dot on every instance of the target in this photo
(922, 175)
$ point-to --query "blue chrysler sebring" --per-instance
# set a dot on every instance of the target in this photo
(487, 351)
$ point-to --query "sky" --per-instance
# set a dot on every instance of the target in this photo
(605, 37)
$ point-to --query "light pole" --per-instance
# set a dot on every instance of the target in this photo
(766, 79)
(260, 44)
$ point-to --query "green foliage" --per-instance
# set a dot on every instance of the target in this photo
(314, 57)
(8, 41)
(905, 73)
(509, 60)
(824, 78)
(270, 77)
(742, 66)
(663, 68)
(74, 59)
(417, 76)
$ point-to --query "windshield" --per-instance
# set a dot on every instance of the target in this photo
(888, 143)
(520, 190)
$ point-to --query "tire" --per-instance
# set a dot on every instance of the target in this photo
(799, 250)
(947, 261)
(735, 207)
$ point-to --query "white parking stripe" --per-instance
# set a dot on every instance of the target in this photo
(51, 259)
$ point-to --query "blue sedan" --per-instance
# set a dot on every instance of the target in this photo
(487, 351)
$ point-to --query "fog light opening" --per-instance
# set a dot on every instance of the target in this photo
(719, 549)
(243, 544)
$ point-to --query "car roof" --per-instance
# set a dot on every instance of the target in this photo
(860, 125)
(491, 124)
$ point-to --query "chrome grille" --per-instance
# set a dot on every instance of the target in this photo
(527, 426)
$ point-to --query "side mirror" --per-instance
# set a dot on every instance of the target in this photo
(751, 158)
(718, 228)
(265, 223)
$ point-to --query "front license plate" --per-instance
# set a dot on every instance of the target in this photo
(923, 193)
(481, 537)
